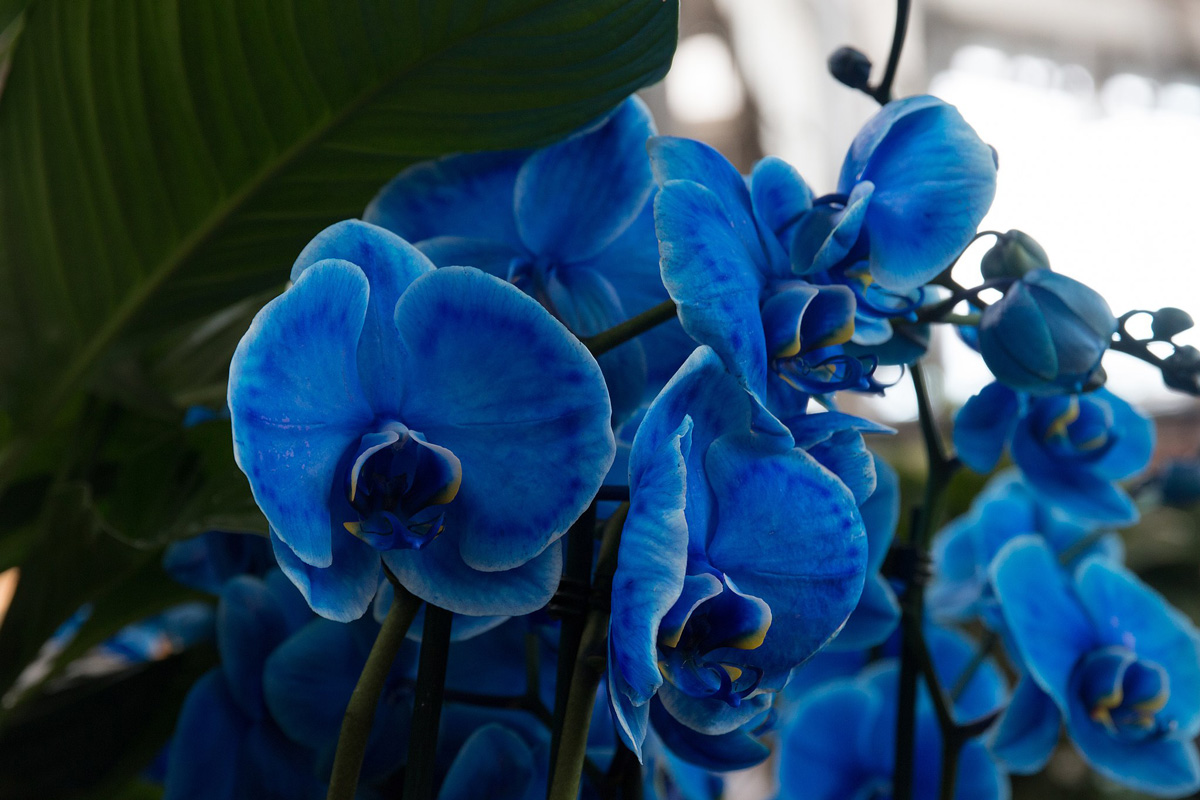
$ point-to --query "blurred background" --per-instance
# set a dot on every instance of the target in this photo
(1094, 109)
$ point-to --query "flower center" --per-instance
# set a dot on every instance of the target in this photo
(1075, 426)
(1123, 693)
(805, 327)
(399, 485)
(694, 652)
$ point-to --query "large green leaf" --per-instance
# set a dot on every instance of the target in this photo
(100, 541)
(162, 159)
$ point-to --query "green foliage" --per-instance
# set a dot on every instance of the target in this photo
(92, 739)
(162, 162)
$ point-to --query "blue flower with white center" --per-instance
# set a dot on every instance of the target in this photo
(1047, 334)
(740, 557)
(1005, 509)
(839, 742)
(227, 745)
(571, 224)
(1120, 664)
(439, 419)
(1071, 449)
(730, 275)
(914, 187)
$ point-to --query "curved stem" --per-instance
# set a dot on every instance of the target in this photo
(360, 711)
(427, 704)
(634, 326)
(939, 312)
(883, 92)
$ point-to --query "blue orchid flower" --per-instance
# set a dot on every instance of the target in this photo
(439, 419)
(226, 744)
(877, 613)
(730, 275)
(307, 683)
(1014, 255)
(1121, 665)
(161, 635)
(836, 441)
(1070, 448)
(784, 206)
(309, 679)
(499, 758)
(1005, 509)
(571, 224)
(1047, 334)
(913, 188)
(740, 557)
(207, 561)
(840, 740)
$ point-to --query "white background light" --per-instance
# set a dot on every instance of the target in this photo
(703, 84)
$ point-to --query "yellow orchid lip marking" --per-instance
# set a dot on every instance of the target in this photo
(671, 638)
(1102, 710)
(753, 639)
(733, 672)
(352, 527)
(1154, 704)
(840, 335)
(1059, 426)
(1096, 441)
(784, 377)
(792, 346)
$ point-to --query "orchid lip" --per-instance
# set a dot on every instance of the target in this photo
(399, 486)
(1124, 693)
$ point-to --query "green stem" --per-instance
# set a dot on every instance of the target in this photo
(360, 711)
(634, 326)
(914, 657)
(590, 661)
(577, 574)
(951, 750)
(427, 704)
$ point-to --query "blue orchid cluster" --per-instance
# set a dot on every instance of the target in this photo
(622, 325)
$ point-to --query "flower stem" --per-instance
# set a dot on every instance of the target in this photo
(883, 92)
(360, 711)
(631, 328)
(589, 667)
(427, 704)
(577, 579)
(981, 654)
(914, 656)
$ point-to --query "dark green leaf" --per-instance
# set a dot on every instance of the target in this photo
(71, 562)
(160, 161)
(161, 482)
(92, 739)
(140, 595)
